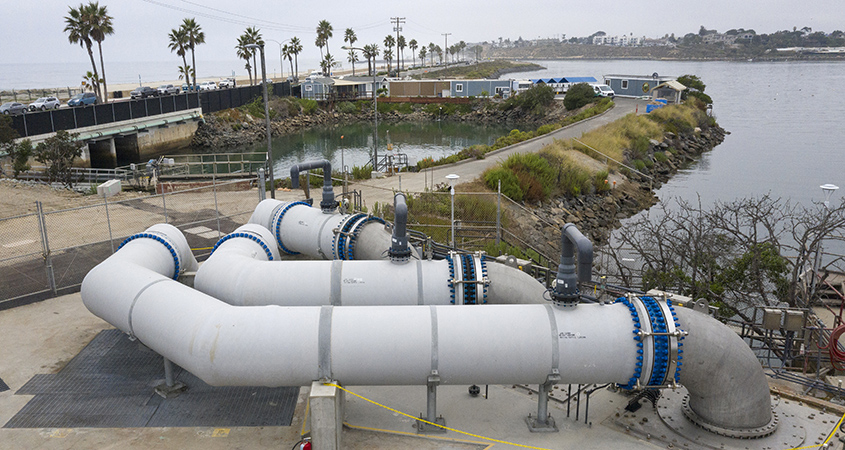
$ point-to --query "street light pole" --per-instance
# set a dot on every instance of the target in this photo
(281, 58)
(266, 119)
(375, 111)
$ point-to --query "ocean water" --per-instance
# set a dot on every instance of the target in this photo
(785, 119)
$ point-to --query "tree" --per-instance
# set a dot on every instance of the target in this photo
(695, 88)
(461, 47)
(179, 44)
(371, 52)
(20, 154)
(578, 95)
(324, 32)
(253, 35)
(100, 26)
(194, 36)
(245, 53)
(350, 38)
(78, 28)
(57, 154)
(413, 45)
(90, 81)
(389, 42)
(738, 255)
(295, 49)
(431, 52)
(422, 55)
(186, 72)
(400, 46)
(287, 52)
(328, 63)
(7, 141)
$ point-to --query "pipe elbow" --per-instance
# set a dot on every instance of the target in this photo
(727, 387)
(294, 176)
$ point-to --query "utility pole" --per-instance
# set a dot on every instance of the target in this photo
(399, 21)
(446, 47)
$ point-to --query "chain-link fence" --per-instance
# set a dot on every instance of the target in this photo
(48, 253)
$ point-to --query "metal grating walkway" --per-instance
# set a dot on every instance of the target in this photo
(109, 384)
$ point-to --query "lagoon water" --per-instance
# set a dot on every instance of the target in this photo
(785, 119)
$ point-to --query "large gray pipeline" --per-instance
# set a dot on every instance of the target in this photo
(241, 271)
(299, 228)
(328, 203)
(222, 344)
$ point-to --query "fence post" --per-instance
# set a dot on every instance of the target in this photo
(216, 208)
(262, 194)
(163, 200)
(45, 248)
(499, 214)
(108, 220)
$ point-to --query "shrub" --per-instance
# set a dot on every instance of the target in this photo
(660, 157)
(347, 108)
(510, 183)
(533, 101)
(639, 164)
(639, 147)
(362, 173)
(600, 181)
(578, 95)
(308, 106)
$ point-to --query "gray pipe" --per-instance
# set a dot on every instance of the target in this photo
(328, 204)
(399, 251)
(566, 287)
(222, 344)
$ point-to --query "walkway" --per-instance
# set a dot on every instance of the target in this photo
(381, 190)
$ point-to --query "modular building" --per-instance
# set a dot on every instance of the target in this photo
(451, 88)
(634, 85)
(561, 84)
(326, 88)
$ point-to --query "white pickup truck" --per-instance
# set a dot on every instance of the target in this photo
(226, 83)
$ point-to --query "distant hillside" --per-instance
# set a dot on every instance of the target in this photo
(681, 52)
(489, 69)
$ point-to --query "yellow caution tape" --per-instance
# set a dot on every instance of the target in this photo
(430, 423)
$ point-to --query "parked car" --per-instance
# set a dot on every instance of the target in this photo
(82, 99)
(603, 90)
(143, 92)
(44, 103)
(167, 89)
(226, 83)
(187, 87)
(13, 108)
(208, 86)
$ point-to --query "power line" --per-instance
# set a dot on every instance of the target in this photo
(292, 27)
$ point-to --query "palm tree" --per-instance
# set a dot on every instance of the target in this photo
(254, 36)
(400, 46)
(462, 46)
(179, 44)
(389, 42)
(413, 46)
(350, 37)
(328, 63)
(185, 72)
(89, 81)
(101, 26)
(194, 36)
(287, 52)
(370, 52)
(78, 29)
(431, 52)
(422, 55)
(245, 53)
(324, 32)
(295, 48)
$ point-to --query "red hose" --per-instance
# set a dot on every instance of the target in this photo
(837, 356)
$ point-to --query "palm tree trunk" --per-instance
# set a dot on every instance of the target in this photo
(296, 74)
(353, 67)
(291, 67)
(194, 66)
(254, 62)
(96, 81)
(103, 67)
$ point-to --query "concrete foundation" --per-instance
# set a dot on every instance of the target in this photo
(156, 141)
(326, 416)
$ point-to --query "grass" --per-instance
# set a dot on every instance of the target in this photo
(481, 70)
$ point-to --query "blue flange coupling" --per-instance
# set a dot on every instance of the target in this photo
(160, 239)
(277, 220)
(246, 235)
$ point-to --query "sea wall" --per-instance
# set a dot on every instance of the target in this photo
(598, 214)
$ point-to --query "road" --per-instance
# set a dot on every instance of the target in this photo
(381, 190)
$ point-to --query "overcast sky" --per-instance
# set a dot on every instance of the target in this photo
(32, 30)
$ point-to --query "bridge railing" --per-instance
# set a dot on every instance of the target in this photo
(44, 122)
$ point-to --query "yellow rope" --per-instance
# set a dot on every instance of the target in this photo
(429, 423)
(829, 437)
(201, 248)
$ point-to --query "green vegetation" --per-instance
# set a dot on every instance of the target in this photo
(57, 153)
(514, 137)
(695, 88)
(490, 69)
(578, 95)
(534, 101)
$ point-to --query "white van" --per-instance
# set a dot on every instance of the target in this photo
(603, 90)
